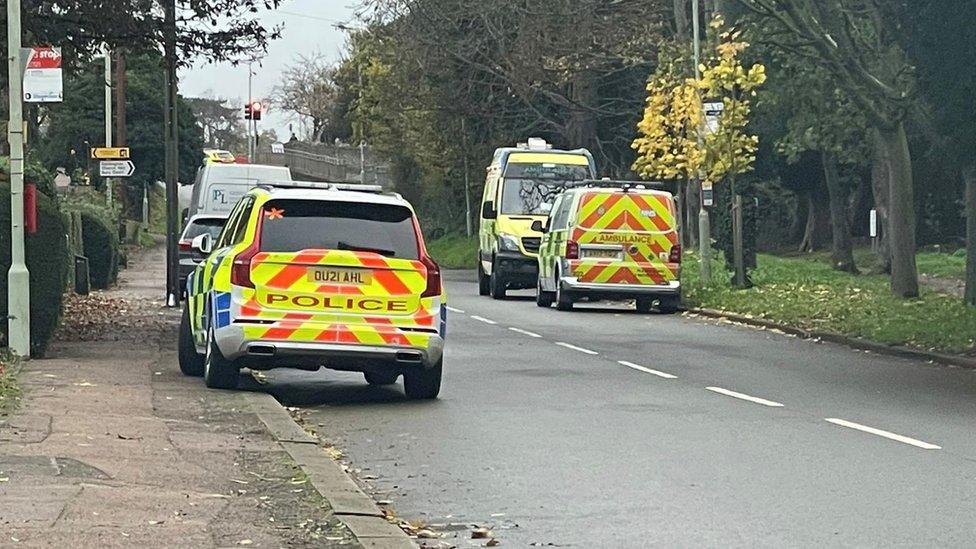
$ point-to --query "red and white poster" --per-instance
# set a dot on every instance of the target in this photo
(42, 74)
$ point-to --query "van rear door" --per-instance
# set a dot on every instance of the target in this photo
(626, 238)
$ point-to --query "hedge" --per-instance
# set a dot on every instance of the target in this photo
(47, 261)
(101, 244)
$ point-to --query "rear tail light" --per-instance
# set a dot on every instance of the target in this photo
(433, 288)
(240, 270)
(186, 245)
(572, 249)
(675, 255)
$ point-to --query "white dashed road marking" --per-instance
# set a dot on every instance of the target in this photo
(885, 434)
(640, 368)
(483, 319)
(734, 394)
(454, 309)
(575, 348)
(525, 332)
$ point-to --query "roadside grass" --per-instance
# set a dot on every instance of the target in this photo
(931, 263)
(806, 293)
(10, 391)
(454, 252)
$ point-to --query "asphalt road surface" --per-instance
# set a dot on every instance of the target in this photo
(606, 428)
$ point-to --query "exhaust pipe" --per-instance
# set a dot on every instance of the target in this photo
(409, 357)
(261, 350)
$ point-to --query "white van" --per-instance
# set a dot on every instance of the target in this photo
(218, 187)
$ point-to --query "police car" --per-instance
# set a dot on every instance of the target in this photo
(307, 275)
(611, 240)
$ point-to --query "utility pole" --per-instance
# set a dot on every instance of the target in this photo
(250, 123)
(362, 131)
(108, 115)
(704, 223)
(467, 183)
(171, 124)
(121, 137)
(18, 279)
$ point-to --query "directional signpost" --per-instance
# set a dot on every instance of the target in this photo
(116, 168)
(110, 153)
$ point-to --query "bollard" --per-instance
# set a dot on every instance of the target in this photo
(82, 280)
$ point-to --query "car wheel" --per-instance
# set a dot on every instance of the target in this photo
(564, 301)
(543, 298)
(496, 286)
(483, 281)
(423, 383)
(669, 305)
(644, 305)
(218, 372)
(191, 362)
(381, 378)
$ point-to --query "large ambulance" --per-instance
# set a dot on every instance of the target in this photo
(611, 240)
(523, 182)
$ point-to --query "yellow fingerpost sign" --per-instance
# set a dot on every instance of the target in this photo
(110, 153)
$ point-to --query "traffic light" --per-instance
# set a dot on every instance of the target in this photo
(248, 113)
(256, 108)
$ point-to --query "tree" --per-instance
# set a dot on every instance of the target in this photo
(308, 90)
(855, 42)
(222, 123)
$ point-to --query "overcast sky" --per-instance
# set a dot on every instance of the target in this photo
(308, 27)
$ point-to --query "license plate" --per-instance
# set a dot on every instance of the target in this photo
(353, 277)
(600, 253)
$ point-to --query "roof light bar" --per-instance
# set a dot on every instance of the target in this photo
(356, 187)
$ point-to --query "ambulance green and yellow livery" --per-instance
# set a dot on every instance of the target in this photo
(521, 186)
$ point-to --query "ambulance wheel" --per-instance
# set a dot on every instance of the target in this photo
(381, 378)
(191, 362)
(422, 383)
(669, 305)
(496, 286)
(483, 286)
(543, 298)
(644, 305)
(218, 372)
(564, 301)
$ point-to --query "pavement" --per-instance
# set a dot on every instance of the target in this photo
(114, 447)
(606, 428)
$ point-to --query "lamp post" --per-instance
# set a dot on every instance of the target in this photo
(18, 278)
(704, 223)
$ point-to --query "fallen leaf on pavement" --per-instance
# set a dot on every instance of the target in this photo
(480, 533)
(427, 534)
(245, 542)
(492, 543)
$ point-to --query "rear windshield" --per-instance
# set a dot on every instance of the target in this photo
(294, 225)
(204, 226)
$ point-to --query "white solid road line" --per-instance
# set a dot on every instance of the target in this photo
(483, 319)
(734, 394)
(454, 309)
(575, 348)
(646, 370)
(524, 332)
(885, 434)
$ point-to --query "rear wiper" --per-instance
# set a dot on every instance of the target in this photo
(350, 248)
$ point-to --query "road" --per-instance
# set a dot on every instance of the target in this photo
(605, 428)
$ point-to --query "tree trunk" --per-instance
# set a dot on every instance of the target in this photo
(817, 229)
(681, 21)
(901, 209)
(861, 204)
(582, 126)
(969, 174)
(692, 208)
(800, 215)
(879, 186)
(842, 250)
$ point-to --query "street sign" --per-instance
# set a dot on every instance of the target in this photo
(713, 114)
(708, 195)
(116, 168)
(110, 153)
(42, 74)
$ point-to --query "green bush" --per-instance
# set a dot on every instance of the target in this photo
(101, 246)
(47, 261)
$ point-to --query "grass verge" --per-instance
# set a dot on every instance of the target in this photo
(9, 389)
(454, 252)
(806, 293)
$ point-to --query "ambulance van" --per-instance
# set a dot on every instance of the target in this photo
(522, 184)
(611, 240)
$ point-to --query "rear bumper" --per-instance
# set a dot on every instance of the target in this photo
(625, 290)
(337, 356)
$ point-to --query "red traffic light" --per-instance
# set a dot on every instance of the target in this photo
(256, 108)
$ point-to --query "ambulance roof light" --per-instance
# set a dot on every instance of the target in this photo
(538, 144)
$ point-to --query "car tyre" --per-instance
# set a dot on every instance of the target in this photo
(669, 305)
(218, 372)
(496, 286)
(644, 305)
(483, 281)
(191, 362)
(381, 378)
(423, 383)
(564, 301)
(543, 298)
